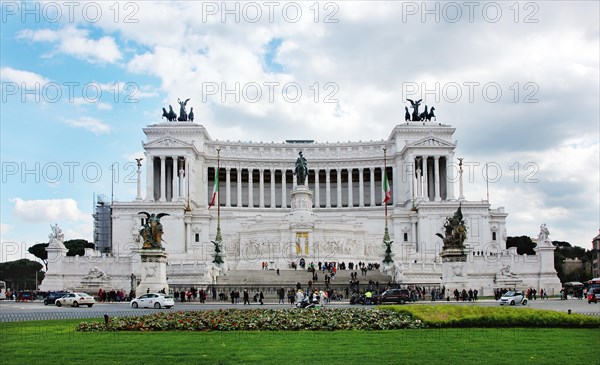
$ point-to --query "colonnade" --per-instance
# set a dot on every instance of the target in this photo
(166, 179)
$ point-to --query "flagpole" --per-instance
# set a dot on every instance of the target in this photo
(218, 196)
(218, 239)
(386, 234)
(388, 260)
(385, 179)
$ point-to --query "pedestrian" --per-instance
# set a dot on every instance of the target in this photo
(246, 297)
(261, 296)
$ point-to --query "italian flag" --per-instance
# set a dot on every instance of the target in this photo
(387, 192)
(215, 190)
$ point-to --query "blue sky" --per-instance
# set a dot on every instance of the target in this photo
(364, 59)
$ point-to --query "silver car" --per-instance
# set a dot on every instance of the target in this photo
(513, 297)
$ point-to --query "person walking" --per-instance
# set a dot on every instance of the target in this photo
(246, 297)
(261, 296)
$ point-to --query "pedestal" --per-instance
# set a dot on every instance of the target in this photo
(302, 204)
(54, 279)
(154, 272)
(454, 269)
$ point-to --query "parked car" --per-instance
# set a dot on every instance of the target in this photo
(25, 296)
(153, 300)
(594, 296)
(51, 297)
(75, 300)
(513, 297)
(399, 296)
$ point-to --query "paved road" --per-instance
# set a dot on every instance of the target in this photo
(17, 311)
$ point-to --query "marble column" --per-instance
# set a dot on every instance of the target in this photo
(317, 195)
(419, 179)
(338, 187)
(188, 169)
(163, 180)
(372, 185)
(181, 180)
(272, 202)
(327, 188)
(173, 178)
(283, 193)
(350, 200)
(436, 178)
(239, 186)
(250, 189)
(261, 188)
(425, 179)
(361, 188)
(228, 186)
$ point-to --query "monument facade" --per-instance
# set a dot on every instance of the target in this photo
(281, 202)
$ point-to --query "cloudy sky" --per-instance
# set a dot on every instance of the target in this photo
(519, 81)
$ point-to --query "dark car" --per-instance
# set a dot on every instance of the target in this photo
(51, 297)
(399, 296)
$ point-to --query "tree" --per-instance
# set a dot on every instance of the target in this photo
(524, 245)
(77, 247)
(21, 274)
(564, 250)
(39, 251)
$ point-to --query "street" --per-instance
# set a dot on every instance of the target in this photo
(11, 311)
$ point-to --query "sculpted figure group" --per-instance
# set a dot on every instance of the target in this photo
(416, 116)
(183, 115)
(152, 231)
(455, 231)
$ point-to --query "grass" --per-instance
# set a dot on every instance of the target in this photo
(478, 316)
(51, 342)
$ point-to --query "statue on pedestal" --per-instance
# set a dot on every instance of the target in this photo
(301, 169)
(152, 231)
(455, 231)
(183, 116)
(543, 239)
(544, 233)
(57, 233)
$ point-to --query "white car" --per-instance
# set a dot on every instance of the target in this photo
(513, 297)
(75, 300)
(153, 300)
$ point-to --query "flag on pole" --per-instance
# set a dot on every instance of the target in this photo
(215, 190)
(387, 192)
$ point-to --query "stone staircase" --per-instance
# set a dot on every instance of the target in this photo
(289, 278)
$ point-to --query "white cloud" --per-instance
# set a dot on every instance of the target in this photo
(48, 210)
(19, 76)
(132, 156)
(76, 42)
(4, 230)
(91, 124)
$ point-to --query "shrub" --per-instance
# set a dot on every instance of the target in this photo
(327, 319)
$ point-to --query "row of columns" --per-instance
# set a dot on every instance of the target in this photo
(172, 176)
(433, 185)
(316, 187)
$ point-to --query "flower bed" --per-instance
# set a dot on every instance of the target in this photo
(327, 319)
(455, 316)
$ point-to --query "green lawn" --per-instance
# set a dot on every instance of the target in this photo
(50, 342)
